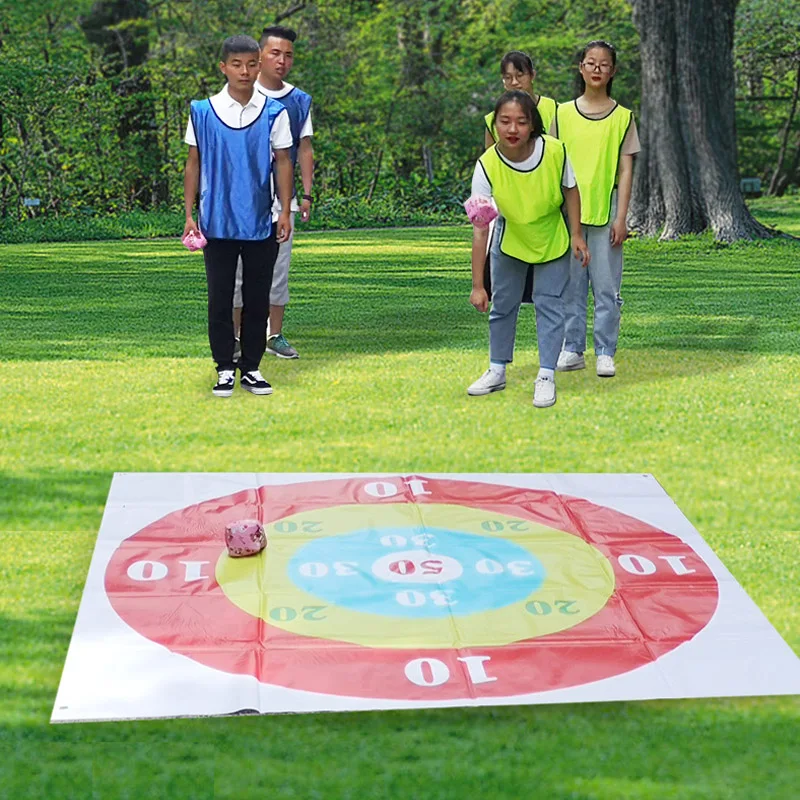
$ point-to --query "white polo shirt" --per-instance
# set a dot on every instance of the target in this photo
(236, 115)
(308, 128)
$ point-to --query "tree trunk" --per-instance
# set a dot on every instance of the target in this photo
(686, 177)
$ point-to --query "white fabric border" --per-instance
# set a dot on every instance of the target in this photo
(109, 669)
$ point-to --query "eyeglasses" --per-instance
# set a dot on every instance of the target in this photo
(592, 66)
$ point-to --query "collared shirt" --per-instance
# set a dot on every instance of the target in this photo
(308, 128)
(235, 115)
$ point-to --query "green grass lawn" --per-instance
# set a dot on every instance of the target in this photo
(106, 368)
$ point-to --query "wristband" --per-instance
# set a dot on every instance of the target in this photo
(308, 197)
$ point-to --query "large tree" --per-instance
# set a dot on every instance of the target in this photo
(686, 178)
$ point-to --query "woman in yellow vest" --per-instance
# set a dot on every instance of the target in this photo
(516, 69)
(529, 178)
(601, 140)
(517, 72)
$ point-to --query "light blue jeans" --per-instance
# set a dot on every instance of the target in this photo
(508, 280)
(604, 274)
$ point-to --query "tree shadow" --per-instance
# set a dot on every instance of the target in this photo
(52, 499)
(383, 292)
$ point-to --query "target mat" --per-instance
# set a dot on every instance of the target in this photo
(406, 591)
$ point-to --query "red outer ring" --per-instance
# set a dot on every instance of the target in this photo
(646, 617)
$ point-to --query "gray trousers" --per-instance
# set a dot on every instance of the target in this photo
(508, 281)
(604, 273)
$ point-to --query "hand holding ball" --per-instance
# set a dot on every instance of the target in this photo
(480, 210)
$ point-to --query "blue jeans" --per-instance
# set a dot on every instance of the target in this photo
(604, 274)
(508, 281)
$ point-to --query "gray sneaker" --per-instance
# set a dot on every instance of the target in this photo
(568, 361)
(278, 346)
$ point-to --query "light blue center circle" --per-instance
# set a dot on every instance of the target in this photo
(339, 569)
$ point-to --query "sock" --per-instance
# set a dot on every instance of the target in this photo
(499, 368)
(546, 373)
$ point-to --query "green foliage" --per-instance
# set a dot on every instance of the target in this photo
(96, 94)
(767, 52)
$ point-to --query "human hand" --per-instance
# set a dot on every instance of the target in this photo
(193, 238)
(305, 210)
(619, 232)
(479, 299)
(480, 210)
(284, 227)
(580, 250)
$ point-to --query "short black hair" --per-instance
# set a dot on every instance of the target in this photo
(278, 31)
(239, 44)
(522, 61)
(525, 102)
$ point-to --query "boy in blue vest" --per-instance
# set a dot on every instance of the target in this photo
(277, 55)
(233, 138)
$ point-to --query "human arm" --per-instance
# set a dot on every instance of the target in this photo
(580, 249)
(619, 228)
(283, 168)
(305, 156)
(478, 296)
(191, 183)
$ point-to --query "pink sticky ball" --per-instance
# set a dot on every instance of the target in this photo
(245, 537)
(194, 240)
(480, 210)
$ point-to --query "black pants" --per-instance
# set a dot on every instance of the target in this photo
(258, 261)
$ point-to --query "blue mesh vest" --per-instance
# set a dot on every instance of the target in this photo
(235, 167)
(298, 104)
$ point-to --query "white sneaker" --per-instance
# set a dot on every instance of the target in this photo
(568, 361)
(544, 392)
(490, 381)
(605, 367)
(224, 384)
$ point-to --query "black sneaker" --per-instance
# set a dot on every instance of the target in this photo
(226, 379)
(254, 382)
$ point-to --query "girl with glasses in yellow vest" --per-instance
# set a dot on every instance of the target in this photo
(517, 72)
(528, 177)
(601, 140)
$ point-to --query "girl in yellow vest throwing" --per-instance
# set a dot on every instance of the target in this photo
(601, 140)
(528, 177)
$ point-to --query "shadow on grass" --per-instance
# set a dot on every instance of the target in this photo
(52, 500)
(382, 292)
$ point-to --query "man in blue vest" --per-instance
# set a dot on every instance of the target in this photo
(277, 55)
(237, 139)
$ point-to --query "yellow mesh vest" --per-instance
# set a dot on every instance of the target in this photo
(530, 202)
(593, 146)
(547, 111)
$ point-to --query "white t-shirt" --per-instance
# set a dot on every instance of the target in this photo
(308, 130)
(481, 185)
(236, 115)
